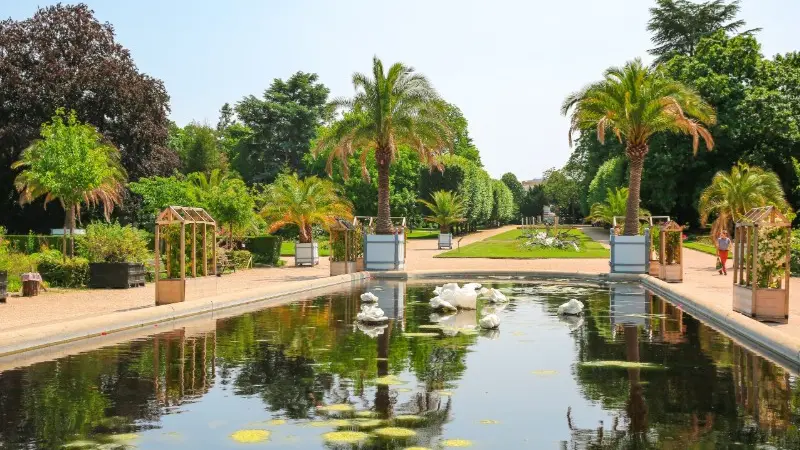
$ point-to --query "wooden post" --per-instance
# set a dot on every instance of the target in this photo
(183, 251)
(167, 249)
(205, 259)
(662, 253)
(736, 251)
(214, 248)
(194, 250)
(755, 264)
(787, 271)
(157, 261)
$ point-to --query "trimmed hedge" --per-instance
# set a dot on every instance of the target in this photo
(265, 249)
(58, 272)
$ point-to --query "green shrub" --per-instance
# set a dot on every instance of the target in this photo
(113, 243)
(241, 259)
(35, 243)
(265, 249)
(60, 272)
(795, 260)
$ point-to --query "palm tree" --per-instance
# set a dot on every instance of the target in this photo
(614, 206)
(635, 102)
(390, 109)
(74, 165)
(303, 202)
(732, 194)
(446, 209)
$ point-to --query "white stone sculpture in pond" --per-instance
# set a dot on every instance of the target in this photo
(370, 330)
(465, 297)
(369, 297)
(489, 322)
(571, 308)
(438, 304)
(493, 295)
(371, 313)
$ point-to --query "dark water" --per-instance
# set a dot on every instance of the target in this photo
(525, 386)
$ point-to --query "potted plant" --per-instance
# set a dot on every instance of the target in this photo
(290, 200)
(634, 103)
(116, 255)
(670, 251)
(417, 119)
(447, 209)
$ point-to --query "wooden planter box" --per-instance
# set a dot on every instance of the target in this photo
(116, 275)
(359, 264)
(384, 251)
(671, 273)
(768, 305)
(3, 286)
(306, 254)
(445, 241)
(342, 267)
(655, 269)
(176, 290)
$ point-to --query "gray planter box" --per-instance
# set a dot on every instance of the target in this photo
(384, 252)
(342, 267)
(630, 305)
(306, 254)
(630, 254)
(445, 240)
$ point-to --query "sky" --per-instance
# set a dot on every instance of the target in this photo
(507, 64)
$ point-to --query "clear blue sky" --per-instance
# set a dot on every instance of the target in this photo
(507, 64)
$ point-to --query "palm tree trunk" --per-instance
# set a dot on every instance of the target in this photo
(636, 156)
(384, 222)
(636, 408)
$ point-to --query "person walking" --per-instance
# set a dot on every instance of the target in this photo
(723, 243)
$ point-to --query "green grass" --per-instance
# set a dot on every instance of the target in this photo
(423, 234)
(701, 247)
(287, 248)
(507, 245)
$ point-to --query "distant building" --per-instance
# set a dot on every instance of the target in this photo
(529, 184)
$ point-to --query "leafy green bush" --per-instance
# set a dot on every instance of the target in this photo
(265, 249)
(34, 243)
(241, 259)
(795, 260)
(60, 272)
(114, 243)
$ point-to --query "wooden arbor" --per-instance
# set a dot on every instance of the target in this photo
(172, 289)
(761, 253)
(670, 252)
(346, 247)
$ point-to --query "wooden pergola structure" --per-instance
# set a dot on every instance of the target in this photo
(344, 233)
(174, 290)
(761, 264)
(670, 261)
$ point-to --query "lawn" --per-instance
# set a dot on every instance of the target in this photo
(423, 234)
(509, 245)
(287, 248)
(701, 247)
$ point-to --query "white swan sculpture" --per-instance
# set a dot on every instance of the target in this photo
(465, 297)
(369, 297)
(439, 304)
(489, 322)
(493, 295)
(371, 313)
(571, 308)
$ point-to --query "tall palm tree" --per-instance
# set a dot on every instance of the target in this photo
(303, 202)
(73, 164)
(614, 206)
(732, 194)
(635, 102)
(391, 108)
(447, 209)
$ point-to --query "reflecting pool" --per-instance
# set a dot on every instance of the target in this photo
(633, 372)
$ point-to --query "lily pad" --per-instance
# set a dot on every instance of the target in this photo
(445, 393)
(456, 443)
(338, 423)
(345, 437)
(395, 433)
(366, 424)
(622, 365)
(366, 414)
(389, 380)
(250, 436)
(432, 326)
(339, 408)
(358, 359)
(277, 422)
(409, 419)
(416, 448)
(544, 373)
(489, 422)
(125, 437)
(424, 335)
(80, 444)
(403, 390)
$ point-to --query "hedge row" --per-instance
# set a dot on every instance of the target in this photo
(265, 249)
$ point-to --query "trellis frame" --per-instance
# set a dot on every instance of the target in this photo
(672, 273)
(343, 230)
(166, 290)
(769, 304)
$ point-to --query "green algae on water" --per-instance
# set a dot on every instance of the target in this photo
(409, 419)
(337, 423)
(489, 422)
(277, 422)
(395, 433)
(339, 408)
(544, 373)
(250, 436)
(366, 424)
(389, 380)
(622, 365)
(456, 443)
(421, 335)
(366, 414)
(345, 437)
(432, 326)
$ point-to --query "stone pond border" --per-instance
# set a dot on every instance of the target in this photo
(29, 345)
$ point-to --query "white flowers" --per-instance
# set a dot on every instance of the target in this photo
(571, 308)
(369, 297)
(371, 313)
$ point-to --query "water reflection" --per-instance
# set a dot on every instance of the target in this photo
(697, 388)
